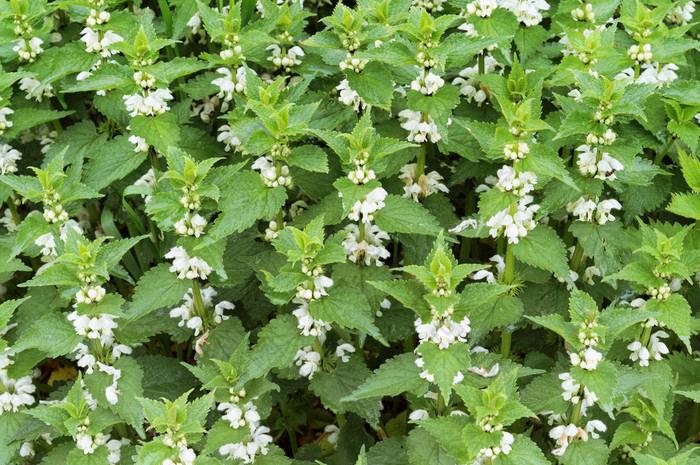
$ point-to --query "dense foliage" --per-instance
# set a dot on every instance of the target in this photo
(390, 232)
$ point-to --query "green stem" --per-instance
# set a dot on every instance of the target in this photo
(482, 63)
(440, 403)
(13, 209)
(636, 71)
(198, 304)
(361, 226)
(57, 126)
(167, 17)
(660, 156)
(510, 264)
(506, 339)
(578, 255)
(420, 166)
(577, 412)
(646, 334)
(280, 219)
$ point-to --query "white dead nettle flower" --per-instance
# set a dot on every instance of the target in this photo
(185, 456)
(516, 225)
(563, 436)
(111, 392)
(470, 87)
(8, 159)
(191, 225)
(314, 289)
(343, 350)
(28, 49)
(429, 5)
(283, 58)
(97, 17)
(98, 326)
(187, 267)
(528, 12)
(4, 122)
(593, 211)
(516, 151)
(420, 126)
(8, 221)
(100, 42)
(34, 89)
(442, 330)
(15, 392)
(353, 63)
(55, 213)
(587, 359)
(519, 183)
(365, 208)
(481, 371)
(273, 230)
(427, 83)
(361, 174)
(240, 416)
(640, 53)
(349, 97)
(370, 249)
(230, 84)
(90, 294)
(418, 415)
(308, 361)
(140, 143)
(271, 176)
(607, 138)
(584, 14)
(655, 73)
(195, 23)
(147, 180)
(482, 8)
(332, 434)
(227, 136)
(469, 223)
(596, 163)
(426, 184)
(639, 352)
(149, 103)
(487, 454)
(682, 13)
(426, 375)
(308, 325)
(252, 445)
(589, 273)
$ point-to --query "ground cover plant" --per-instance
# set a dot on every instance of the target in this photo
(383, 232)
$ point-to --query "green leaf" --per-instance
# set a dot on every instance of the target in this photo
(53, 334)
(423, 449)
(524, 452)
(444, 364)
(397, 375)
(586, 453)
(373, 84)
(402, 215)
(309, 158)
(157, 288)
(675, 313)
(687, 205)
(543, 248)
(277, 346)
(245, 201)
(160, 131)
(25, 118)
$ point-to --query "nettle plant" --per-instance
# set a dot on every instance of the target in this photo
(385, 232)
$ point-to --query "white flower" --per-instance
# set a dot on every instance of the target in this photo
(227, 136)
(34, 88)
(658, 348)
(190, 225)
(603, 168)
(229, 84)
(426, 184)
(429, 5)
(4, 122)
(147, 180)
(427, 83)
(366, 207)
(519, 183)
(590, 210)
(349, 97)
(28, 50)
(682, 13)
(516, 225)
(421, 126)
(187, 267)
(98, 326)
(93, 43)
(332, 432)
(308, 325)
(343, 350)
(140, 143)
(149, 103)
(595, 425)
(15, 392)
(481, 371)
(655, 73)
(8, 159)
(470, 87)
(283, 58)
(588, 274)
(528, 12)
(482, 8)
(470, 223)
(269, 173)
(419, 414)
(571, 389)
(563, 435)
(442, 330)
(639, 352)
(308, 361)
(370, 249)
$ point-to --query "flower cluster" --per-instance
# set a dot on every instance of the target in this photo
(367, 247)
(190, 315)
(595, 163)
(187, 267)
(15, 392)
(420, 126)
(423, 186)
(591, 210)
(514, 222)
(442, 330)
